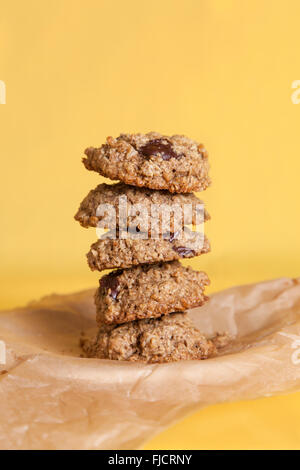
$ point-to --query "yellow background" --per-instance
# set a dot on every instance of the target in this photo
(218, 71)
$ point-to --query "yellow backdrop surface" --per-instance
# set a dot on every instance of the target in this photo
(219, 71)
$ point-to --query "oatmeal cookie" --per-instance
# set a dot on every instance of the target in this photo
(149, 291)
(177, 163)
(188, 209)
(109, 253)
(165, 339)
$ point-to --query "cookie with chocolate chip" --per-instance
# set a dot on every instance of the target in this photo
(124, 249)
(149, 291)
(169, 338)
(177, 163)
(145, 209)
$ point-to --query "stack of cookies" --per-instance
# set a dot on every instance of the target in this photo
(141, 305)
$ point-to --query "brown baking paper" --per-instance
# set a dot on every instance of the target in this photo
(50, 398)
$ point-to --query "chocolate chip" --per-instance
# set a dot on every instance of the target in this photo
(133, 229)
(159, 147)
(111, 281)
(184, 251)
(173, 236)
(145, 267)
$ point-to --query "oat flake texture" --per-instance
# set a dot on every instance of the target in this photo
(175, 163)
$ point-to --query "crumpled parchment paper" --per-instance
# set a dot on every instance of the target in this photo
(50, 398)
